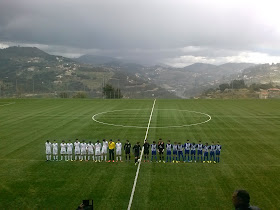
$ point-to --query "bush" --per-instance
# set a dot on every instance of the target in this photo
(80, 95)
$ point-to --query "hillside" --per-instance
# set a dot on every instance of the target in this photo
(26, 71)
(192, 80)
(95, 60)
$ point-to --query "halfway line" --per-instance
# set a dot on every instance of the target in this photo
(138, 168)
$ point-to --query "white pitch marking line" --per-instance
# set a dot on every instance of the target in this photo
(133, 126)
(138, 168)
(8, 104)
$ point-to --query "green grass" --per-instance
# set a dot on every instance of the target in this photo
(248, 131)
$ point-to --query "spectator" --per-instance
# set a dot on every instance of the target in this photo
(241, 200)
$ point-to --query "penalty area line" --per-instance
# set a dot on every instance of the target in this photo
(138, 168)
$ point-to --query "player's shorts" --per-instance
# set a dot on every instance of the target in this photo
(160, 152)
(48, 152)
(136, 154)
(193, 152)
(168, 152)
(175, 152)
(218, 152)
(55, 152)
(146, 151)
(63, 152)
(97, 153)
(83, 152)
(90, 152)
(104, 150)
(118, 152)
(154, 152)
(199, 152)
(205, 154)
(180, 153)
(127, 152)
(187, 151)
(69, 152)
(212, 153)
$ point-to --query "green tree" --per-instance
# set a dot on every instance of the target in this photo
(110, 92)
(237, 84)
(223, 86)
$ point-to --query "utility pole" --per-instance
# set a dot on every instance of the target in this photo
(16, 88)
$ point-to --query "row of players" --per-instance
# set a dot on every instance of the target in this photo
(98, 152)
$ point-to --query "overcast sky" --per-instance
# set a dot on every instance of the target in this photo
(174, 32)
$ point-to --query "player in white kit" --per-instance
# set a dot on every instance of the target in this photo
(69, 150)
(118, 150)
(104, 150)
(55, 150)
(48, 150)
(90, 147)
(83, 150)
(97, 151)
(77, 149)
(63, 150)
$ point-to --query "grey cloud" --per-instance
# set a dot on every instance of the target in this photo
(143, 30)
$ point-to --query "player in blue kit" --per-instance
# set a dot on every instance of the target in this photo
(218, 152)
(168, 151)
(193, 152)
(180, 151)
(154, 151)
(205, 153)
(175, 152)
(187, 150)
(199, 151)
(212, 152)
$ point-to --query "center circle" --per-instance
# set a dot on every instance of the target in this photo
(182, 113)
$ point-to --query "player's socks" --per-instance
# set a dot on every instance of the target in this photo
(47, 157)
(85, 157)
(120, 158)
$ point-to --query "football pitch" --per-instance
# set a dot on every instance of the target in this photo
(248, 130)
